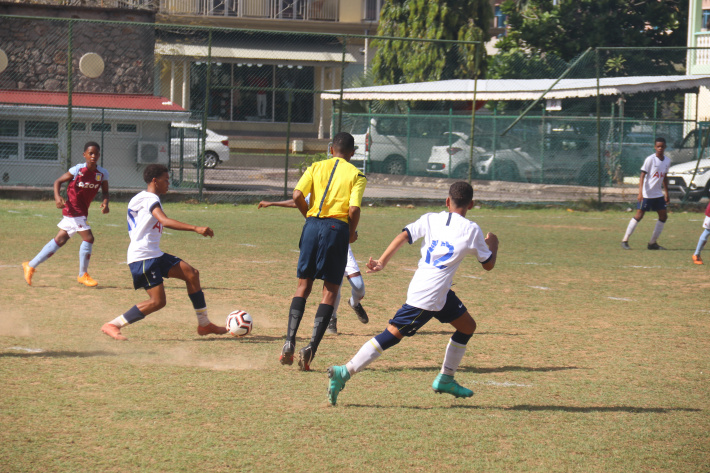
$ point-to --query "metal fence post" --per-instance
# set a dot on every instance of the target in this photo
(203, 131)
(599, 141)
(473, 113)
(69, 90)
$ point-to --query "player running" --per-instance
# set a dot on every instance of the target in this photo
(448, 237)
(84, 180)
(149, 265)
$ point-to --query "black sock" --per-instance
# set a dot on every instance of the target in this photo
(295, 314)
(320, 324)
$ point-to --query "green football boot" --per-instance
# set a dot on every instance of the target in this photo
(338, 376)
(446, 384)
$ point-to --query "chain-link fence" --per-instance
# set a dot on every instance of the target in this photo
(238, 114)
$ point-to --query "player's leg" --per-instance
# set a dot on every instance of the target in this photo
(357, 290)
(662, 217)
(183, 271)
(632, 226)
(701, 244)
(85, 250)
(333, 324)
(456, 314)
(320, 324)
(369, 352)
(156, 301)
(295, 314)
(45, 253)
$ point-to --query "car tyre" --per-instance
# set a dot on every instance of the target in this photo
(211, 160)
(507, 171)
(395, 165)
(461, 172)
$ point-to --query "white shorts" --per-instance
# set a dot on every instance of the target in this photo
(706, 224)
(351, 267)
(71, 225)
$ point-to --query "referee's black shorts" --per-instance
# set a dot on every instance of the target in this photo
(324, 249)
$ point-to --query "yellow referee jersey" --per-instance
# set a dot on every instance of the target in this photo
(335, 185)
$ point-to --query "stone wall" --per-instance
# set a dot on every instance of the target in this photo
(37, 48)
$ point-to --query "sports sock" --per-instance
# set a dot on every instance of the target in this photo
(336, 304)
(701, 241)
(119, 321)
(200, 306)
(371, 351)
(657, 231)
(357, 290)
(44, 254)
(454, 353)
(84, 256)
(295, 314)
(630, 229)
(131, 316)
(320, 324)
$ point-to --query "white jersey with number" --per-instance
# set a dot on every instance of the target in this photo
(656, 171)
(144, 229)
(447, 239)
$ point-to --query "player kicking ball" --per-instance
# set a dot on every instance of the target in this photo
(84, 180)
(149, 265)
(448, 237)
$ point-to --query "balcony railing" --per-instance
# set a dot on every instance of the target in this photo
(319, 10)
(126, 4)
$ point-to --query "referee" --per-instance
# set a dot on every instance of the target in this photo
(336, 189)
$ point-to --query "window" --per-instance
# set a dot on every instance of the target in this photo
(254, 92)
(42, 151)
(78, 126)
(41, 129)
(8, 150)
(126, 128)
(499, 18)
(9, 128)
(99, 127)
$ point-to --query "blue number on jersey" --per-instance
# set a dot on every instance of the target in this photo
(440, 259)
(131, 218)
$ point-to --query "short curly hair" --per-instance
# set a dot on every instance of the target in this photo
(153, 171)
(461, 193)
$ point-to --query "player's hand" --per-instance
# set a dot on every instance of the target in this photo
(60, 203)
(374, 266)
(491, 240)
(640, 197)
(205, 231)
(353, 237)
(104, 207)
(263, 203)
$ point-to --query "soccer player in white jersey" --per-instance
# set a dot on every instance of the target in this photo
(352, 273)
(149, 265)
(84, 181)
(448, 237)
(653, 194)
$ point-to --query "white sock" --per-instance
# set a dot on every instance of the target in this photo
(202, 318)
(630, 229)
(657, 231)
(368, 353)
(452, 357)
(119, 321)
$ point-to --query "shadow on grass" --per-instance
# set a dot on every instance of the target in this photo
(477, 334)
(500, 369)
(531, 408)
(58, 354)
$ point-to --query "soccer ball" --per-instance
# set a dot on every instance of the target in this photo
(239, 323)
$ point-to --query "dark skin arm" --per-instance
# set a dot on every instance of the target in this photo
(58, 199)
(104, 193)
(353, 220)
(300, 200)
(177, 225)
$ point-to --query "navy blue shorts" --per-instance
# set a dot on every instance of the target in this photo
(655, 204)
(409, 319)
(150, 272)
(324, 250)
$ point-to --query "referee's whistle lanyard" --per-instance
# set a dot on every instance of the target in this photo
(327, 188)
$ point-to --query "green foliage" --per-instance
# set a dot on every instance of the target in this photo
(572, 26)
(399, 61)
(308, 160)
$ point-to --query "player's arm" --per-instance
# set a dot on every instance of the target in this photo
(282, 203)
(177, 225)
(665, 189)
(492, 242)
(299, 201)
(58, 199)
(374, 265)
(353, 220)
(104, 194)
(641, 179)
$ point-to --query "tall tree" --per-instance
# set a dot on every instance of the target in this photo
(398, 61)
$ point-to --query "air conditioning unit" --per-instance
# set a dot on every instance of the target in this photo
(150, 152)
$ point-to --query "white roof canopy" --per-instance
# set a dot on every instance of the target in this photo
(519, 89)
(249, 53)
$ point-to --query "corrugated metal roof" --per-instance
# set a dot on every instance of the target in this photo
(83, 99)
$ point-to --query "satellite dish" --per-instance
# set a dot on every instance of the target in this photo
(91, 65)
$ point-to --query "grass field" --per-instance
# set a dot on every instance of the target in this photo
(587, 358)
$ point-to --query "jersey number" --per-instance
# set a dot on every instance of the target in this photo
(131, 219)
(440, 259)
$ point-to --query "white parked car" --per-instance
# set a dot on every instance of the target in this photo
(216, 146)
(681, 181)
(451, 154)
